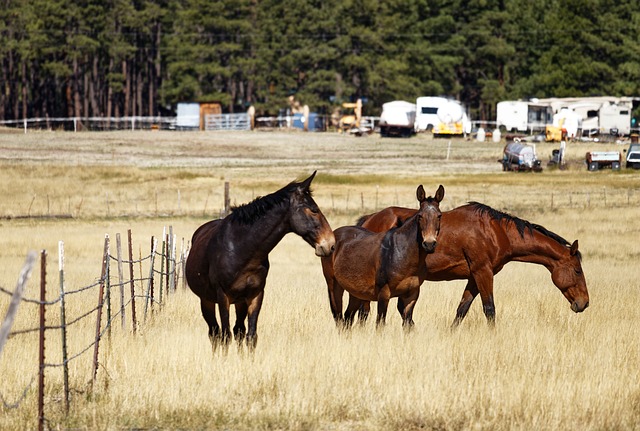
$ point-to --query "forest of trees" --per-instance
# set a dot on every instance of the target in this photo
(114, 58)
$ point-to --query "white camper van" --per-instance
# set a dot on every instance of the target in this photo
(441, 116)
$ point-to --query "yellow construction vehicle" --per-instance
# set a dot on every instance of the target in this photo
(351, 116)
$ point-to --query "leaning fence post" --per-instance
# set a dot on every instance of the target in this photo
(120, 279)
(43, 298)
(107, 280)
(154, 244)
(63, 326)
(5, 328)
(164, 234)
(105, 258)
(131, 275)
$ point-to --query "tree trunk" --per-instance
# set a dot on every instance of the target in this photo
(24, 89)
(109, 95)
(77, 104)
(127, 89)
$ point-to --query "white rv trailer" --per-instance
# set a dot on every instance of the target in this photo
(523, 116)
(441, 116)
(599, 115)
(397, 119)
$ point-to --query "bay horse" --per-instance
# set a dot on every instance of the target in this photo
(229, 258)
(378, 266)
(475, 243)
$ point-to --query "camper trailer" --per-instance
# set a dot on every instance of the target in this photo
(442, 116)
(398, 119)
(523, 116)
(597, 115)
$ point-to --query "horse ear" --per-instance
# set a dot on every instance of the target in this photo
(420, 194)
(307, 183)
(440, 194)
(574, 248)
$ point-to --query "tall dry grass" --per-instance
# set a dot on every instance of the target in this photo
(542, 367)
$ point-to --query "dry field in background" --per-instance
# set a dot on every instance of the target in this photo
(542, 367)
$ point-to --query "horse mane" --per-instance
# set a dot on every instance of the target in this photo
(520, 224)
(363, 219)
(250, 212)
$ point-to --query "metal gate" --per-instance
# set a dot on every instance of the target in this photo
(227, 122)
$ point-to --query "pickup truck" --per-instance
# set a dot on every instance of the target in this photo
(633, 156)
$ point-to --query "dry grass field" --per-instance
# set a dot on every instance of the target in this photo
(541, 367)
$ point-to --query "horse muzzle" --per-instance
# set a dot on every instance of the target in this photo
(429, 246)
(325, 247)
(579, 305)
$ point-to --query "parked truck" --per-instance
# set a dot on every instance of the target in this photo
(603, 159)
(442, 116)
(633, 156)
(397, 119)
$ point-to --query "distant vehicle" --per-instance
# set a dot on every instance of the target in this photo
(442, 116)
(397, 119)
(633, 156)
(523, 116)
(603, 159)
(520, 157)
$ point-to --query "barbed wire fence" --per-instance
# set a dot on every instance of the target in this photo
(118, 291)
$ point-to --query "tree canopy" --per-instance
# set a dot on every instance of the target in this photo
(90, 58)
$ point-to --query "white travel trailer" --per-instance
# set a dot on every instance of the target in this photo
(598, 115)
(523, 116)
(397, 119)
(441, 116)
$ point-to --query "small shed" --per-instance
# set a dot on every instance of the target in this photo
(191, 115)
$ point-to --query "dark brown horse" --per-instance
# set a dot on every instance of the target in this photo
(379, 266)
(476, 241)
(228, 262)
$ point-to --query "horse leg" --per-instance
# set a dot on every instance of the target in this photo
(255, 305)
(469, 294)
(239, 330)
(383, 303)
(363, 312)
(223, 307)
(334, 290)
(409, 302)
(354, 305)
(208, 309)
(484, 282)
(336, 293)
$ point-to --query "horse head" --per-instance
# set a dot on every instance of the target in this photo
(569, 278)
(428, 218)
(308, 221)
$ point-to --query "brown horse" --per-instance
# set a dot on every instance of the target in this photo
(379, 266)
(476, 241)
(229, 258)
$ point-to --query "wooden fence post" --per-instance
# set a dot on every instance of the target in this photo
(105, 259)
(227, 200)
(131, 276)
(120, 279)
(154, 244)
(43, 298)
(63, 326)
(107, 281)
